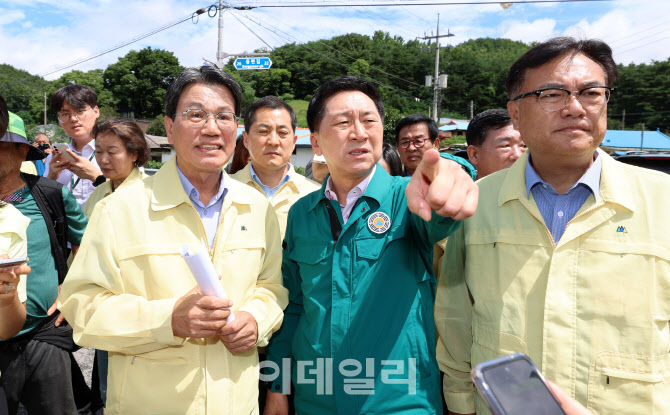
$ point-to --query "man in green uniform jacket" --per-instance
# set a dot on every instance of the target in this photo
(357, 264)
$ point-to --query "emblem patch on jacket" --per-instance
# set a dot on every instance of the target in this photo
(621, 229)
(379, 222)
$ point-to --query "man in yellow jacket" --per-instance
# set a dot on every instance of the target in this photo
(567, 258)
(269, 135)
(130, 292)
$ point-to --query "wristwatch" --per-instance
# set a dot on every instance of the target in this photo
(99, 180)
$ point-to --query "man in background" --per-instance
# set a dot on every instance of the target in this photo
(414, 135)
(77, 109)
(493, 143)
(269, 135)
(42, 142)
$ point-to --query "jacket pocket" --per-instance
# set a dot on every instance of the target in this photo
(629, 384)
(372, 247)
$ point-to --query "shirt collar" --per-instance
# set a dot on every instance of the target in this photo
(590, 179)
(90, 145)
(255, 178)
(193, 193)
(360, 188)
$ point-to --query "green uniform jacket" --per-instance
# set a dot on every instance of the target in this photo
(368, 298)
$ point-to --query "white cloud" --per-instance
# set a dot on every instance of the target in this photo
(48, 34)
(538, 30)
(11, 16)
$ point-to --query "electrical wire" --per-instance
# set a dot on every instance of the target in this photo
(439, 3)
(337, 63)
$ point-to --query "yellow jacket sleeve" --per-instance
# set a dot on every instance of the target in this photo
(94, 301)
(453, 319)
(270, 297)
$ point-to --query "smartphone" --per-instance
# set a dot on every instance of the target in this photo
(61, 147)
(12, 262)
(513, 385)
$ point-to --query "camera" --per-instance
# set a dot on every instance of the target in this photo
(43, 146)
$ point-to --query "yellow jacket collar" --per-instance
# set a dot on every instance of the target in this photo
(614, 183)
(168, 192)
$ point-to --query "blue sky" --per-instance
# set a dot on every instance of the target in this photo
(41, 36)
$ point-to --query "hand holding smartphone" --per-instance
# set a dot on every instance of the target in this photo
(11, 263)
(61, 149)
(513, 385)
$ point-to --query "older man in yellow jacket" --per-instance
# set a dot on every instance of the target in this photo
(269, 136)
(130, 292)
(567, 258)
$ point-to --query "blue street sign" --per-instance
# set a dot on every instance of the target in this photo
(252, 63)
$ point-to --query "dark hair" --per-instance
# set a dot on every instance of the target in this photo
(392, 158)
(316, 109)
(415, 119)
(483, 122)
(269, 101)
(207, 75)
(240, 156)
(4, 116)
(596, 50)
(78, 96)
(131, 135)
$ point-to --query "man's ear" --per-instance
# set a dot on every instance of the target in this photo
(473, 154)
(436, 143)
(168, 128)
(245, 139)
(314, 139)
(513, 109)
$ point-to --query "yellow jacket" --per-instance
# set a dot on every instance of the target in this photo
(105, 190)
(123, 285)
(593, 312)
(13, 240)
(296, 187)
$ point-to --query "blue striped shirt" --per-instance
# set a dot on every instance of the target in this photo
(208, 214)
(558, 209)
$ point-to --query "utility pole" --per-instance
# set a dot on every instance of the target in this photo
(623, 119)
(472, 109)
(642, 138)
(443, 81)
(219, 52)
(45, 112)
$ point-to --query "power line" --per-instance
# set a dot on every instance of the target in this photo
(441, 3)
(341, 53)
(333, 61)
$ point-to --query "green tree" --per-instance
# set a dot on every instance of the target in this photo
(139, 80)
(157, 127)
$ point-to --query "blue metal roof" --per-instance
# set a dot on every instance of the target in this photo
(633, 139)
(455, 125)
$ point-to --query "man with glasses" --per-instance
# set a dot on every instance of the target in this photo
(77, 109)
(414, 135)
(566, 258)
(130, 292)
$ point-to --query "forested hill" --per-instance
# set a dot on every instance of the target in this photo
(477, 70)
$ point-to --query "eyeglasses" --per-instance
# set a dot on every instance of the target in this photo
(418, 143)
(555, 99)
(197, 118)
(78, 115)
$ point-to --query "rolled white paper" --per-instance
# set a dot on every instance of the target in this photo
(205, 275)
